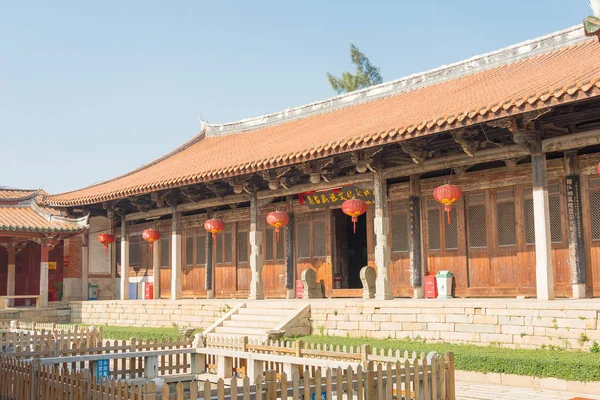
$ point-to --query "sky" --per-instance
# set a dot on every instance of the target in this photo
(92, 90)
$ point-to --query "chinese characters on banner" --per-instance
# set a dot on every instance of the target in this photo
(335, 197)
(102, 369)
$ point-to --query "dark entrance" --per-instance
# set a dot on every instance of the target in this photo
(350, 249)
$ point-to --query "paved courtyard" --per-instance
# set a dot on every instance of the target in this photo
(482, 391)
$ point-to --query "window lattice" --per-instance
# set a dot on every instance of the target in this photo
(476, 197)
(595, 211)
(269, 245)
(134, 253)
(399, 206)
(280, 246)
(477, 227)
(219, 248)
(164, 251)
(504, 195)
(400, 232)
(529, 222)
(201, 249)
(555, 219)
(189, 251)
(228, 247)
(242, 246)
(451, 230)
(304, 240)
(433, 229)
(319, 241)
(594, 183)
(506, 225)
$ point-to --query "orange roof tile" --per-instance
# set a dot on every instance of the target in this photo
(557, 76)
(26, 219)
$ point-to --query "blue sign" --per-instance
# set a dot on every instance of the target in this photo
(313, 396)
(102, 369)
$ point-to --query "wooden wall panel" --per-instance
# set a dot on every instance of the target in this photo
(165, 283)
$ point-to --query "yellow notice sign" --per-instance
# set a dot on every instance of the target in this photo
(52, 266)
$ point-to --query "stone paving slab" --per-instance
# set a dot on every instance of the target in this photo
(481, 391)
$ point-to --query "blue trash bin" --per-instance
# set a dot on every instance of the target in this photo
(133, 290)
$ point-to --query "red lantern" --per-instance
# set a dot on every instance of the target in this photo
(214, 226)
(106, 239)
(354, 208)
(151, 236)
(447, 195)
(599, 168)
(277, 219)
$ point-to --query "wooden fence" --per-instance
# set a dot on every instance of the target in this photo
(17, 341)
(26, 381)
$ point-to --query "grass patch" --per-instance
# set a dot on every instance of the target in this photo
(560, 364)
(127, 332)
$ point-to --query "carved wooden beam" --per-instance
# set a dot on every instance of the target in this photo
(159, 198)
(191, 194)
(363, 159)
(466, 138)
(219, 190)
(275, 177)
(416, 152)
(317, 170)
(239, 183)
(141, 204)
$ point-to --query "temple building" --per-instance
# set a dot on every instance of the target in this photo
(40, 250)
(514, 133)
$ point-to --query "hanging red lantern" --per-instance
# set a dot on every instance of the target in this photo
(599, 168)
(214, 226)
(151, 236)
(354, 208)
(106, 239)
(447, 195)
(277, 219)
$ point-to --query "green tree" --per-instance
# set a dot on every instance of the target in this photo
(366, 74)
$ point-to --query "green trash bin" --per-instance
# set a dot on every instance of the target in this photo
(444, 284)
(92, 291)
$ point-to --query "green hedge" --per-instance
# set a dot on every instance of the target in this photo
(561, 364)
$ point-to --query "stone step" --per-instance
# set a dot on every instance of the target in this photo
(229, 330)
(261, 312)
(274, 305)
(251, 317)
(249, 324)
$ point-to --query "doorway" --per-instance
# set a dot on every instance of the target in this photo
(350, 249)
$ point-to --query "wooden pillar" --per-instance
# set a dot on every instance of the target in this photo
(210, 291)
(10, 279)
(85, 260)
(256, 256)
(124, 260)
(383, 256)
(45, 253)
(574, 224)
(290, 270)
(544, 271)
(414, 243)
(156, 258)
(176, 282)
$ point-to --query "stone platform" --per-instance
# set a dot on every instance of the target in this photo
(571, 324)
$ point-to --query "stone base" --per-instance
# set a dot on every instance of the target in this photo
(72, 289)
(579, 291)
(419, 293)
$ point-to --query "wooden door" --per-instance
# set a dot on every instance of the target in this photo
(165, 265)
(225, 271)
(503, 249)
(478, 242)
(312, 247)
(399, 235)
(194, 263)
(591, 224)
(445, 241)
(273, 273)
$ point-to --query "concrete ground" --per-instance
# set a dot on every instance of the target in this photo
(483, 391)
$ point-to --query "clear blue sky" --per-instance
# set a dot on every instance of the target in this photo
(91, 90)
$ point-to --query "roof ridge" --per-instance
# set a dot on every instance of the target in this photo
(515, 52)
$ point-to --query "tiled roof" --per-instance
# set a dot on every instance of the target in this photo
(7, 194)
(557, 76)
(26, 219)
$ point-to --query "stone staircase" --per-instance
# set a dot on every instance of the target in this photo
(263, 320)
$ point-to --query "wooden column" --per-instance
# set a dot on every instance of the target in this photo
(256, 256)
(176, 282)
(156, 257)
(383, 255)
(210, 291)
(544, 271)
(290, 270)
(10, 279)
(414, 243)
(124, 260)
(85, 260)
(574, 224)
(45, 253)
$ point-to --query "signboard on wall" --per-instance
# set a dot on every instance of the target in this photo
(335, 197)
(102, 369)
(52, 266)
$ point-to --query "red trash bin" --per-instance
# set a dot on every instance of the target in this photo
(430, 287)
(299, 289)
(148, 290)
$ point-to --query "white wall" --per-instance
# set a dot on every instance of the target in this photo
(99, 260)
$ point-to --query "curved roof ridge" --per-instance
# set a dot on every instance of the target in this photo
(477, 63)
(184, 146)
(33, 194)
